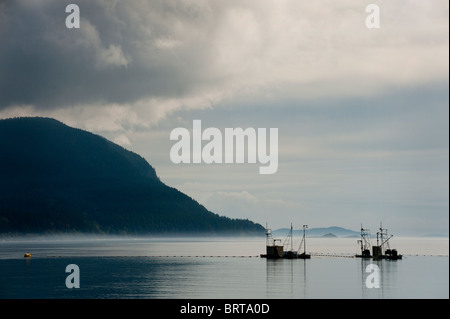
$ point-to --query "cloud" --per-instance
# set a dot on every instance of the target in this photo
(122, 140)
(143, 60)
(243, 203)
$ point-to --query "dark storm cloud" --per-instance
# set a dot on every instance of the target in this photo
(117, 55)
(143, 59)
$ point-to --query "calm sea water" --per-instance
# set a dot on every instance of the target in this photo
(217, 268)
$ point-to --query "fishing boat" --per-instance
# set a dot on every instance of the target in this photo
(275, 250)
(383, 250)
(27, 255)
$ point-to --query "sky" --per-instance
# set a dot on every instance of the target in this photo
(362, 113)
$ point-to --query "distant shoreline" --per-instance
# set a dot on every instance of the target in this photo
(91, 236)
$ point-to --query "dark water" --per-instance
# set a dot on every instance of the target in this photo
(225, 268)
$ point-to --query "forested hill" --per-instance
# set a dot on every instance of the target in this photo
(54, 178)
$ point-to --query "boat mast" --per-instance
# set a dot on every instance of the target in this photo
(292, 244)
(384, 237)
(304, 240)
(269, 240)
(381, 234)
(361, 240)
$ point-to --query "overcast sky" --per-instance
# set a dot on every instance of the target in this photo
(362, 114)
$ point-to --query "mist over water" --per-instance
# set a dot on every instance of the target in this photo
(116, 267)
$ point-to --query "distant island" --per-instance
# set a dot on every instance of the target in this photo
(324, 232)
(58, 179)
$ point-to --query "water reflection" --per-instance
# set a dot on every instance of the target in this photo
(286, 278)
(388, 278)
(141, 269)
(331, 278)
